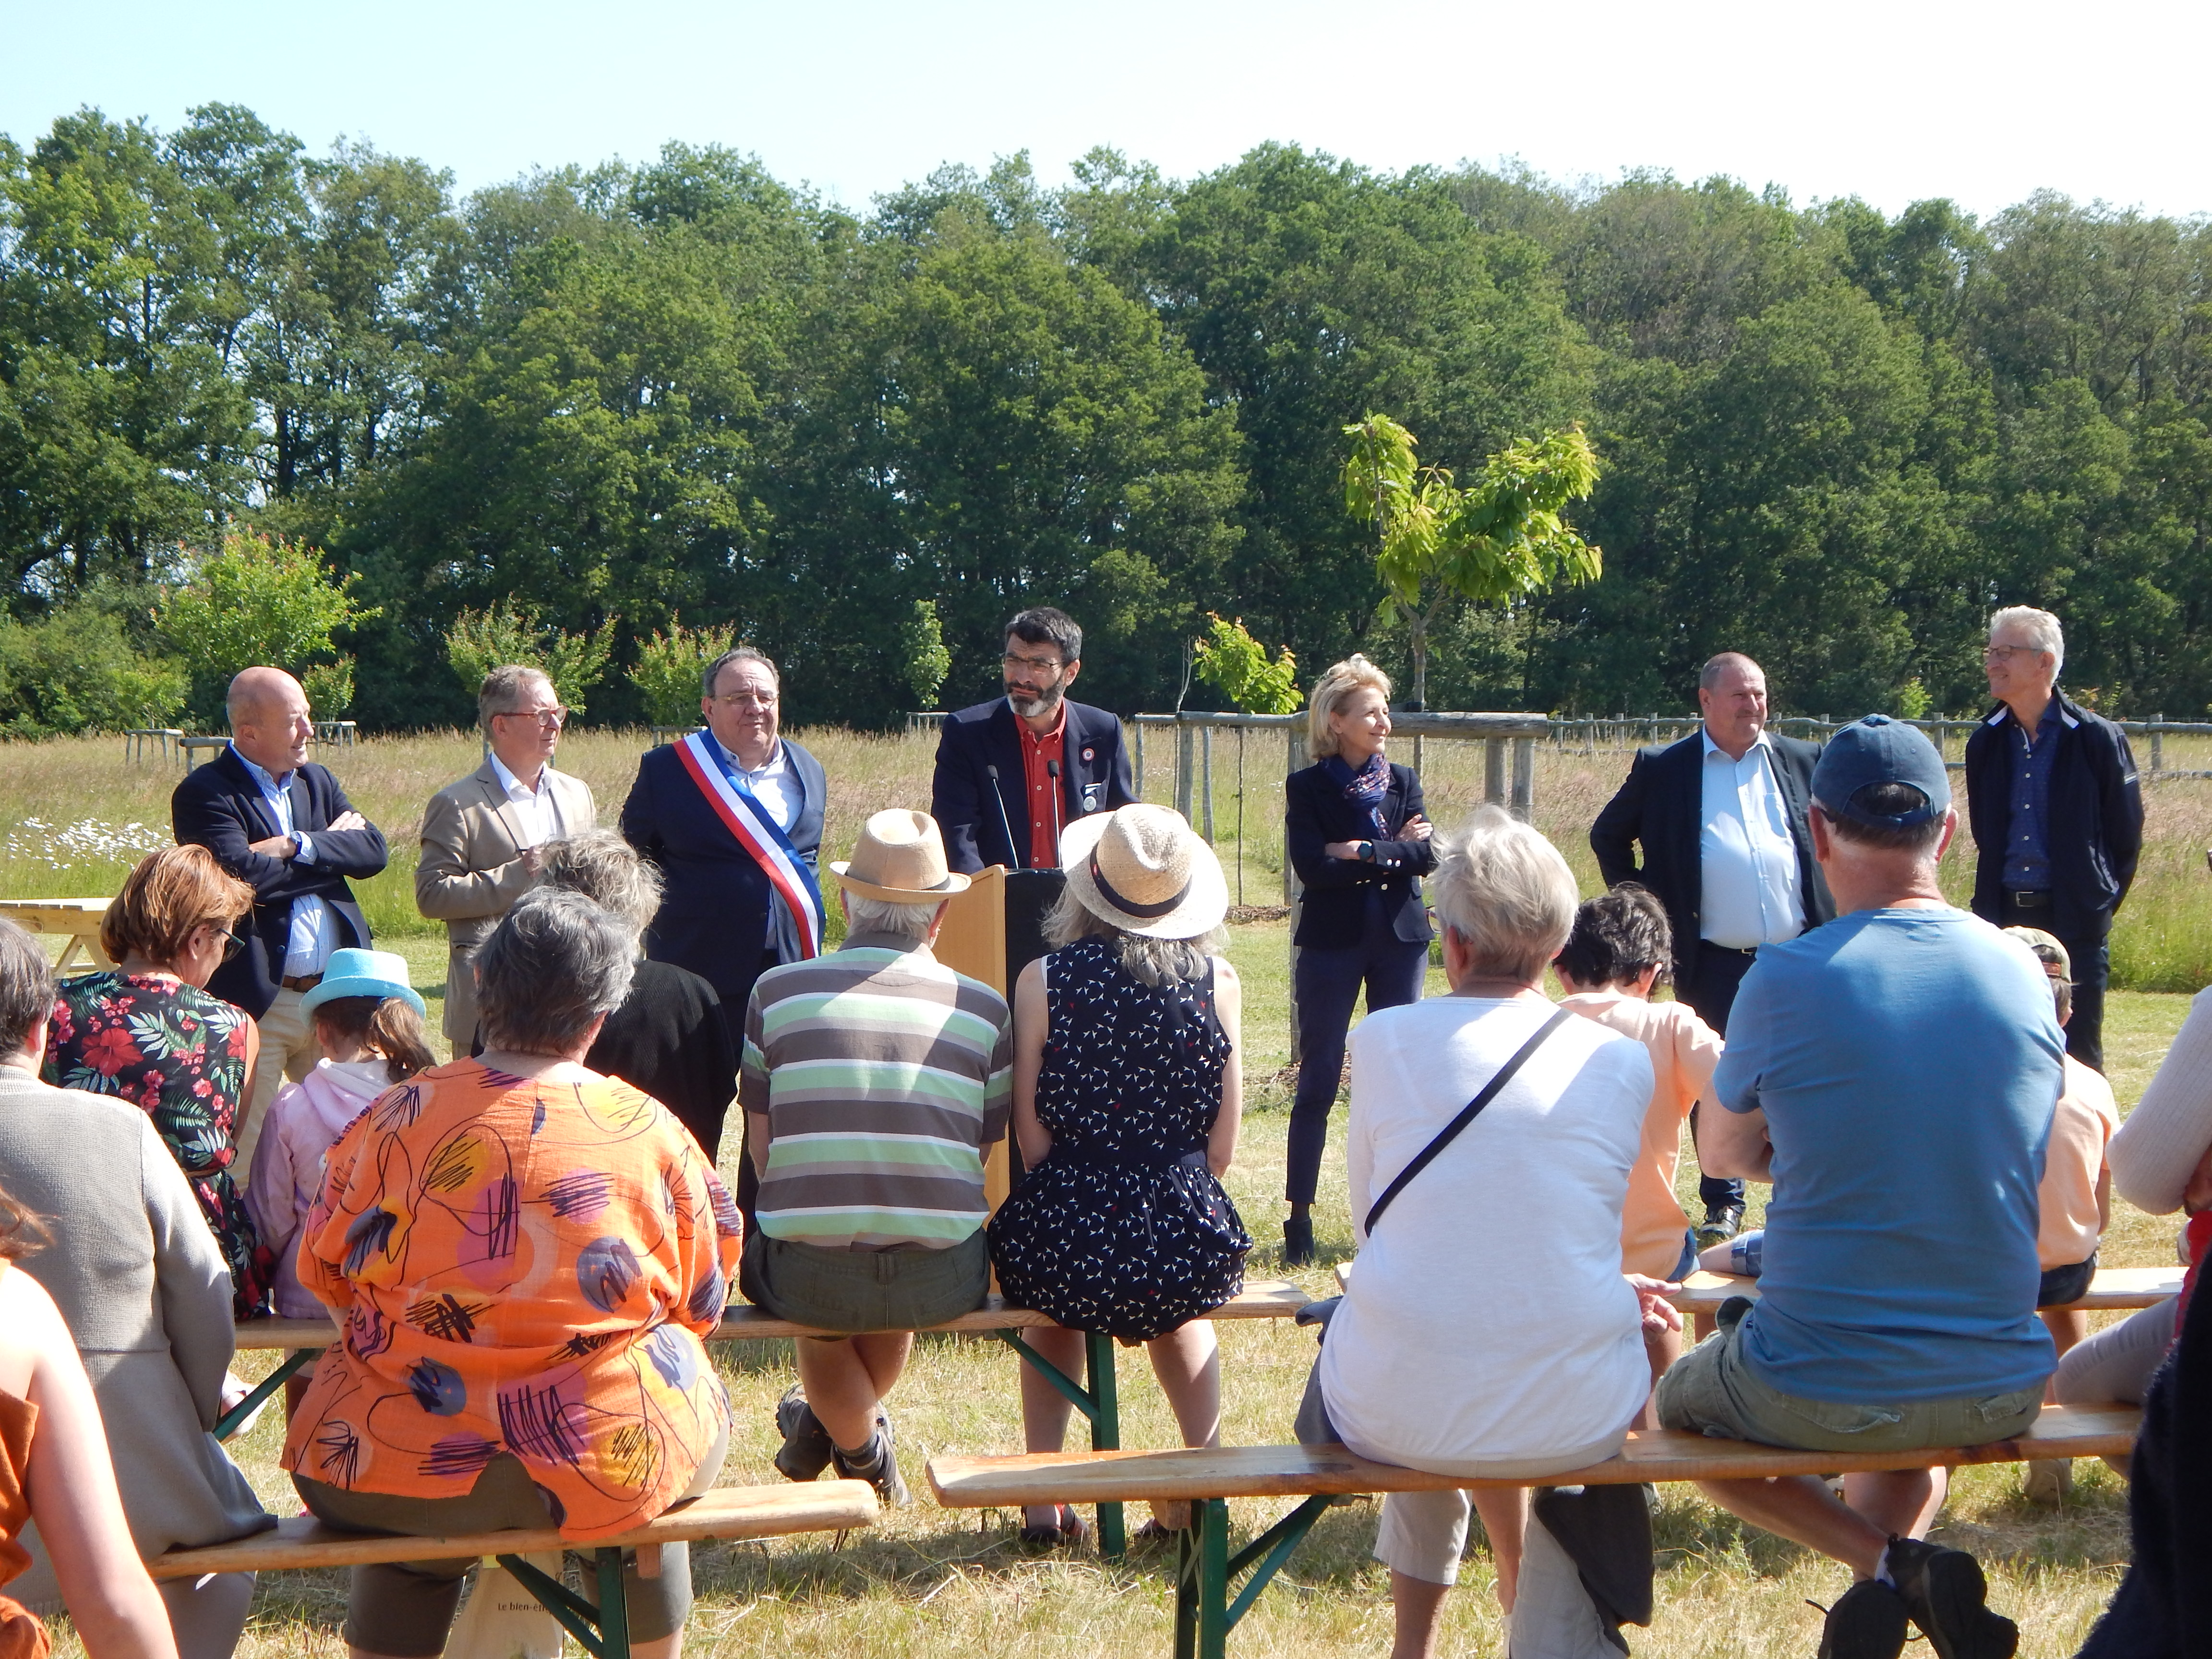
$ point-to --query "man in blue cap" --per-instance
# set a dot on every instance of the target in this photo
(1894, 1074)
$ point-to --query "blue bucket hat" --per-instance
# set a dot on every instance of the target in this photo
(352, 972)
(1879, 750)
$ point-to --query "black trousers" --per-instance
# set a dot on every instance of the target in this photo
(2091, 960)
(1712, 992)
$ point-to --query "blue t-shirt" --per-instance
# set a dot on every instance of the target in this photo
(1908, 1062)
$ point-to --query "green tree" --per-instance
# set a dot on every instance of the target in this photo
(77, 670)
(927, 661)
(671, 669)
(1235, 664)
(1496, 541)
(512, 631)
(256, 600)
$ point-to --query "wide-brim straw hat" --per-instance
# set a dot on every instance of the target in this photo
(900, 857)
(353, 973)
(1146, 870)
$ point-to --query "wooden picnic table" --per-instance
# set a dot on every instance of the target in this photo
(77, 917)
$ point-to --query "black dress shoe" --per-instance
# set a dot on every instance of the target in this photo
(1723, 1222)
(1944, 1591)
(1868, 1623)
(1297, 1241)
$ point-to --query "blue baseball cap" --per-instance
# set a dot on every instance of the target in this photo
(1879, 750)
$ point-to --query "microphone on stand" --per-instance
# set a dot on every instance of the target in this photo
(1004, 823)
(1052, 768)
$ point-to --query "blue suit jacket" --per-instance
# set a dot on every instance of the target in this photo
(1094, 778)
(714, 915)
(219, 807)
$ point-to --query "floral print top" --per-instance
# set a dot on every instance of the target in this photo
(179, 1054)
(519, 1266)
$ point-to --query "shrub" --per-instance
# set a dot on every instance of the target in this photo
(669, 666)
(259, 600)
(74, 671)
(511, 631)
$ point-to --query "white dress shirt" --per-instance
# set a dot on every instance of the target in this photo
(771, 782)
(537, 811)
(314, 929)
(1747, 860)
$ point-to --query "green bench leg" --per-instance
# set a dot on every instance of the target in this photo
(603, 1631)
(227, 1425)
(1204, 1571)
(1100, 1404)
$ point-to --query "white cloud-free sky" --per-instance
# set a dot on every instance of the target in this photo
(1888, 99)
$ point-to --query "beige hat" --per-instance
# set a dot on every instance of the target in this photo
(2048, 950)
(1146, 870)
(900, 856)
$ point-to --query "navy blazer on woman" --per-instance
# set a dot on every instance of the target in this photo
(220, 807)
(714, 910)
(1093, 778)
(1335, 910)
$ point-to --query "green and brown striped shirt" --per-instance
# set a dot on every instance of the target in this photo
(884, 1074)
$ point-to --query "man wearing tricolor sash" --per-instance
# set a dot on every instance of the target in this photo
(732, 817)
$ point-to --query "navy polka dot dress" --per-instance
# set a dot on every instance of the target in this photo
(1123, 1229)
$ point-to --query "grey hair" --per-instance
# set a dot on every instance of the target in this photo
(740, 653)
(27, 988)
(1153, 962)
(2041, 628)
(875, 915)
(1709, 675)
(1505, 891)
(503, 687)
(606, 869)
(1338, 682)
(555, 964)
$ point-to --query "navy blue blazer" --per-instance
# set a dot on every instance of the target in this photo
(219, 807)
(1333, 915)
(2093, 836)
(1094, 778)
(714, 913)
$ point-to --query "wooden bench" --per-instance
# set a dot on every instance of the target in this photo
(727, 1512)
(1098, 1398)
(76, 919)
(1206, 1570)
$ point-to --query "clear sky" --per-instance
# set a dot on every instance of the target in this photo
(1889, 99)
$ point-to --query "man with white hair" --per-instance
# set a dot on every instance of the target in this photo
(283, 826)
(2056, 811)
(873, 1079)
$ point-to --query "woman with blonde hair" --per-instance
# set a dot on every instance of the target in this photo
(1356, 835)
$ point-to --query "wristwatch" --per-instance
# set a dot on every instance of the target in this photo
(1367, 852)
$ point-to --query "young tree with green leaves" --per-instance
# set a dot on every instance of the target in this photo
(670, 667)
(511, 631)
(1493, 542)
(927, 661)
(260, 600)
(1235, 664)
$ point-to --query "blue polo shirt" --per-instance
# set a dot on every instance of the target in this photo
(1908, 1062)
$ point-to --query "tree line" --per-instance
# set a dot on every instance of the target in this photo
(632, 397)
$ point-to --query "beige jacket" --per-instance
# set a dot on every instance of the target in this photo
(472, 871)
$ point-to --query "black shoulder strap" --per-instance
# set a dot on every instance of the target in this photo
(1467, 1115)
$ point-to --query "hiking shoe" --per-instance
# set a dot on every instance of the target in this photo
(806, 1448)
(2050, 1482)
(1297, 1241)
(1868, 1623)
(877, 1464)
(1945, 1594)
(1723, 1222)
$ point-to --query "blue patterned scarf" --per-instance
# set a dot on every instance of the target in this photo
(1368, 786)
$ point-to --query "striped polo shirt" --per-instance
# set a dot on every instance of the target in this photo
(884, 1074)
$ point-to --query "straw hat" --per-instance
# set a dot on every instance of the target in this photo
(1146, 870)
(899, 857)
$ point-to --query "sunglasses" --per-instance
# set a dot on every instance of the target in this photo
(232, 944)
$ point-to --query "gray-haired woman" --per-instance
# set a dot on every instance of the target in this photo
(525, 1257)
(1490, 1351)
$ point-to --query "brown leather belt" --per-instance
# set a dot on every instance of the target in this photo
(300, 981)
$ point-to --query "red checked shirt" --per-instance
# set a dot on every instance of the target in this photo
(1047, 814)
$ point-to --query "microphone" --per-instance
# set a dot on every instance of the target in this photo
(1052, 767)
(1004, 823)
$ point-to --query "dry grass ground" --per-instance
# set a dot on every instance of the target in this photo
(934, 1584)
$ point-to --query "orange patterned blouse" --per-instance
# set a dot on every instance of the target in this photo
(519, 1266)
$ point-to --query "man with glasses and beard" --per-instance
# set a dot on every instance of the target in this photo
(483, 838)
(1014, 773)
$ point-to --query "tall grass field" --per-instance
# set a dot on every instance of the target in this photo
(930, 1584)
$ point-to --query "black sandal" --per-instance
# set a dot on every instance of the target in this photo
(1066, 1536)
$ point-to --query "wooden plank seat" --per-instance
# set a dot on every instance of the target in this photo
(728, 1513)
(1097, 1398)
(1702, 1292)
(1206, 1570)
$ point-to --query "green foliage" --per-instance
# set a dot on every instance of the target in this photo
(927, 661)
(511, 631)
(329, 688)
(256, 600)
(1913, 701)
(1235, 664)
(669, 668)
(74, 671)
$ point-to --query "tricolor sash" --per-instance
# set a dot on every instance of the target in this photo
(760, 835)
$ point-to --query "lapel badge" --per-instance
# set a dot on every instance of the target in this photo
(1090, 754)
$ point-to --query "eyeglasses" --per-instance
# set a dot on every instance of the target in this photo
(552, 719)
(1050, 665)
(745, 699)
(2006, 652)
(232, 944)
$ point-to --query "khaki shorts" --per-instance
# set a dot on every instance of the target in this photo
(1712, 1390)
(860, 1291)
